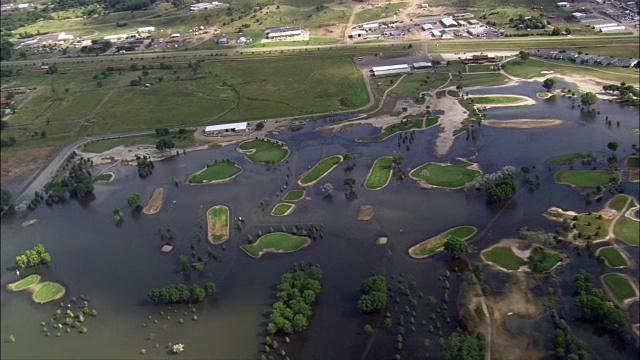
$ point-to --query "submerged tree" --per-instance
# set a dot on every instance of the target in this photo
(456, 246)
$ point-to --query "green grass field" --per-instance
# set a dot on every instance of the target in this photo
(504, 257)
(378, 12)
(628, 230)
(586, 178)
(219, 171)
(569, 159)
(218, 224)
(293, 195)
(633, 162)
(618, 202)
(482, 79)
(403, 125)
(266, 152)
(181, 141)
(319, 170)
(281, 209)
(48, 291)
(482, 68)
(380, 173)
(277, 242)
(430, 246)
(546, 261)
(619, 286)
(444, 175)
(104, 177)
(612, 256)
(414, 83)
(25, 283)
(489, 100)
(543, 94)
(591, 227)
(453, 93)
(533, 67)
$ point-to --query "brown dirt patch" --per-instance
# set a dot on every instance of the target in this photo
(216, 227)
(365, 212)
(21, 164)
(155, 201)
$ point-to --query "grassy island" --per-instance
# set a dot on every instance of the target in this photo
(293, 195)
(619, 286)
(47, 291)
(319, 170)
(264, 151)
(543, 95)
(628, 230)
(277, 242)
(447, 176)
(586, 178)
(504, 257)
(418, 123)
(282, 209)
(104, 177)
(498, 99)
(570, 158)
(218, 224)
(612, 257)
(541, 260)
(216, 173)
(380, 173)
(436, 243)
(25, 283)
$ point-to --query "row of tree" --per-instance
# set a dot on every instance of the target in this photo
(180, 293)
(33, 257)
(596, 306)
(374, 294)
(78, 183)
(568, 346)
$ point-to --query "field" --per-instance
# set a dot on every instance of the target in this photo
(618, 202)
(218, 224)
(48, 291)
(633, 162)
(612, 256)
(569, 159)
(104, 177)
(490, 100)
(436, 243)
(277, 242)
(533, 67)
(378, 12)
(380, 173)
(628, 230)
(216, 172)
(264, 151)
(413, 84)
(282, 209)
(444, 175)
(319, 170)
(181, 141)
(590, 227)
(586, 178)
(403, 125)
(504, 257)
(619, 286)
(293, 195)
(25, 283)
(482, 79)
(544, 261)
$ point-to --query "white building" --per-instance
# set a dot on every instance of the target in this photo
(64, 37)
(358, 33)
(233, 127)
(579, 15)
(173, 36)
(606, 25)
(390, 69)
(563, 4)
(146, 29)
(448, 22)
(116, 37)
(284, 33)
(427, 27)
(462, 23)
(371, 27)
(436, 33)
(612, 29)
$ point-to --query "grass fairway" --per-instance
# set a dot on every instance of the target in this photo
(181, 141)
(104, 177)
(282, 209)
(277, 242)
(490, 100)
(216, 172)
(380, 173)
(569, 159)
(436, 243)
(293, 195)
(444, 175)
(25, 283)
(322, 168)
(586, 178)
(618, 202)
(533, 67)
(264, 151)
(48, 291)
(218, 224)
(413, 84)
(619, 286)
(628, 230)
(504, 257)
(403, 125)
(612, 257)
(478, 79)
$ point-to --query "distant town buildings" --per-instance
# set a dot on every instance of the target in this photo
(206, 6)
(585, 59)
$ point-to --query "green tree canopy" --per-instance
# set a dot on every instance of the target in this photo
(549, 84)
(460, 346)
(5, 199)
(456, 246)
(589, 99)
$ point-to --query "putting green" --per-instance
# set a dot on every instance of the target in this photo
(25, 283)
(446, 176)
(380, 173)
(47, 291)
(277, 242)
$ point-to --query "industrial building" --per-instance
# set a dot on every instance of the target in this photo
(116, 37)
(146, 29)
(390, 69)
(605, 25)
(448, 22)
(371, 27)
(612, 29)
(233, 127)
(284, 32)
(358, 33)
(423, 65)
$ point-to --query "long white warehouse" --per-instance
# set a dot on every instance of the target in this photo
(390, 69)
(214, 129)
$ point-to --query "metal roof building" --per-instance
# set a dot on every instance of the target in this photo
(612, 28)
(422, 65)
(390, 69)
(285, 31)
(448, 22)
(606, 25)
(212, 129)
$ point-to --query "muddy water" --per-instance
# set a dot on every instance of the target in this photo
(117, 265)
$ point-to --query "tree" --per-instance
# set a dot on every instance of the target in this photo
(21, 261)
(456, 246)
(397, 158)
(46, 258)
(523, 55)
(350, 182)
(460, 346)
(162, 132)
(52, 69)
(349, 157)
(197, 293)
(613, 146)
(164, 144)
(374, 294)
(260, 126)
(210, 288)
(556, 32)
(567, 31)
(184, 263)
(549, 84)
(5, 199)
(589, 99)
(134, 199)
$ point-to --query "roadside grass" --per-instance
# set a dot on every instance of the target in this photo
(320, 169)
(628, 230)
(586, 178)
(378, 12)
(218, 224)
(569, 159)
(380, 173)
(504, 257)
(278, 242)
(533, 68)
(618, 202)
(486, 100)
(281, 209)
(180, 140)
(413, 84)
(47, 291)
(263, 151)
(482, 79)
(619, 286)
(103, 177)
(431, 245)
(293, 195)
(403, 125)
(27, 282)
(448, 176)
(215, 172)
(612, 256)
(313, 40)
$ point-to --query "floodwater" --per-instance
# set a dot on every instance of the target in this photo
(116, 265)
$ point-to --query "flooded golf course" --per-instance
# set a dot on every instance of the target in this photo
(117, 264)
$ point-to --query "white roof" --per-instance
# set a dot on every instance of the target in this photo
(174, 35)
(284, 33)
(358, 32)
(369, 26)
(427, 27)
(389, 67)
(235, 126)
(597, 26)
(612, 28)
(147, 28)
(117, 36)
(436, 32)
(372, 36)
(391, 71)
(448, 21)
(64, 36)
(422, 64)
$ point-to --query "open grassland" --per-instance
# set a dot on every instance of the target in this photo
(277, 242)
(619, 286)
(612, 257)
(447, 176)
(48, 291)
(482, 79)
(264, 151)
(504, 257)
(378, 12)
(533, 67)
(569, 159)
(436, 243)
(181, 141)
(282, 209)
(490, 100)
(628, 230)
(293, 195)
(218, 224)
(25, 283)
(472, 68)
(413, 84)
(319, 170)
(380, 173)
(216, 172)
(586, 178)
(618, 202)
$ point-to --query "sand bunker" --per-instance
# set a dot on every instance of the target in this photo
(522, 102)
(155, 202)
